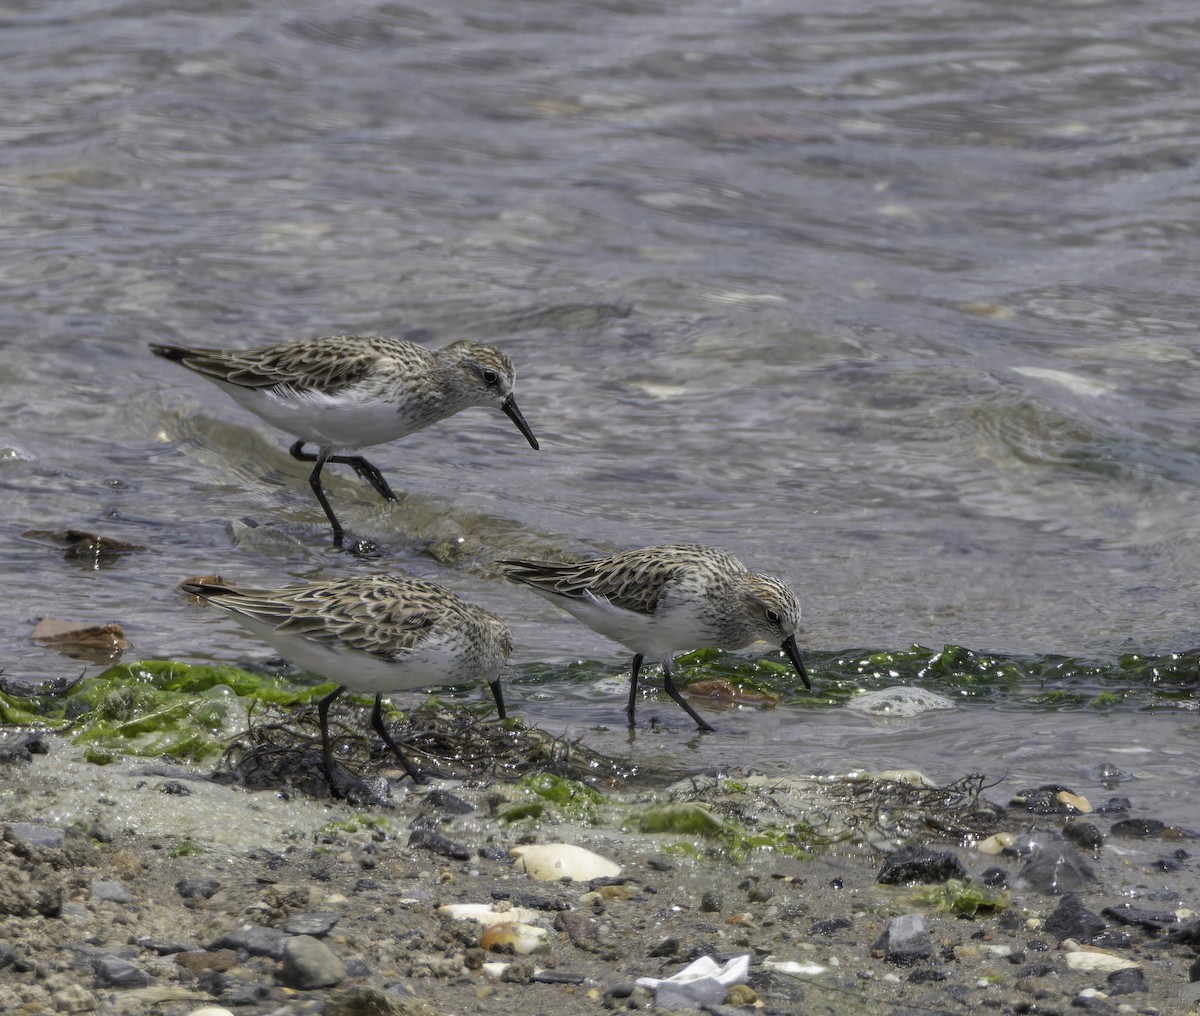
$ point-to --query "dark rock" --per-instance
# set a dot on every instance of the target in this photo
(660, 863)
(557, 977)
(117, 973)
(926, 974)
(1114, 806)
(1071, 919)
(1055, 867)
(1090, 1003)
(1126, 982)
(1150, 920)
(531, 900)
(711, 902)
(1189, 934)
(830, 927)
(667, 947)
(493, 852)
(432, 840)
(920, 864)
(256, 941)
(173, 788)
(1137, 827)
(448, 803)
(577, 927)
(318, 924)
(994, 877)
(1040, 970)
(1112, 940)
(20, 746)
(905, 941)
(1084, 835)
(164, 946)
(197, 888)
(364, 885)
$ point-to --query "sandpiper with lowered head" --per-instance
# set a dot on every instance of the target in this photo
(377, 634)
(347, 392)
(660, 600)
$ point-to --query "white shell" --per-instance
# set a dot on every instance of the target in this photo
(486, 914)
(552, 861)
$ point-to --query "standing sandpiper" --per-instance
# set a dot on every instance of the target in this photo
(660, 600)
(377, 634)
(348, 392)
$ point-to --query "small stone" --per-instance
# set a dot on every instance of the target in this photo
(432, 840)
(256, 941)
(1083, 835)
(905, 941)
(1126, 982)
(448, 803)
(317, 924)
(193, 888)
(1138, 827)
(667, 947)
(1114, 806)
(831, 926)
(741, 995)
(1055, 868)
(1150, 920)
(37, 835)
(310, 963)
(1071, 919)
(117, 973)
(112, 892)
(994, 877)
(919, 864)
(711, 902)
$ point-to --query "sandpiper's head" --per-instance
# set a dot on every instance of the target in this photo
(773, 613)
(483, 376)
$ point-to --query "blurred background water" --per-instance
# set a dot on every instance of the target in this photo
(894, 300)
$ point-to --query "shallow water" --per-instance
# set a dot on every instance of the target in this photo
(894, 302)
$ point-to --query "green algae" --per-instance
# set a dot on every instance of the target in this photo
(963, 896)
(153, 708)
(558, 798)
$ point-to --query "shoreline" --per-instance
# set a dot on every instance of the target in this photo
(137, 887)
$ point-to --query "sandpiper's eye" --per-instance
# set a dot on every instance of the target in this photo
(772, 616)
(490, 377)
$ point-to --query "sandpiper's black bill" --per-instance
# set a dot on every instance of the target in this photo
(509, 408)
(793, 654)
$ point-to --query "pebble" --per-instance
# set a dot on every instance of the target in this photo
(919, 864)
(1072, 920)
(1127, 981)
(117, 973)
(905, 941)
(192, 888)
(37, 835)
(1083, 835)
(1095, 961)
(310, 963)
(256, 941)
(111, 892)
(318, 924)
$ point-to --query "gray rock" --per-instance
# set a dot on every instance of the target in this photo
(1071, 919)
(905, 941)
(37, 835)
(1055, 867)
(112, 972)
(310, 963)
(711, 902)
(255, 941)
(1138, 827)
(318, 924)
(1126, 982)
(112, 892)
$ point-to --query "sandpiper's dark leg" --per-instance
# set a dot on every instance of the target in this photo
(323, 717)
(368, 472)
(669, 685)
(633, 679)
(314, 480)
(382, 731)
(361, 466)
(498, 695)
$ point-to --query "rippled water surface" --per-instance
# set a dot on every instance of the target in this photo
(894, 300)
